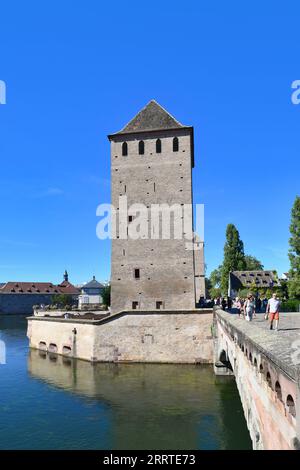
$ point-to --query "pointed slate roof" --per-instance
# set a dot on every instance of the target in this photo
(93, 284)
(151, 117)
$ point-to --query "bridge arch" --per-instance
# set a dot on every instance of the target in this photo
(290, 403)
(269, 380)
(223, 357)
(278, 390)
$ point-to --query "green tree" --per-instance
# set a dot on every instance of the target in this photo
(215, 277)
(253, 264)
(62, 300)
(234, 256)
(106, 295)
(284, 291)
(214, 283)
(215, 292)
(294, 252)
(208, 284)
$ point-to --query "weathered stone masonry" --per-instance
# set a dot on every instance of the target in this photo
(181, 337)
(148, 169)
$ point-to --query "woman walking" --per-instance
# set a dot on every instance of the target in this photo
(249, 307)
(238, 306)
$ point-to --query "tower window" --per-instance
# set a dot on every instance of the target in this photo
(124, 149)
(135, 305)
(141, 147)
(136, 273)
(158, 146)
(175, 144)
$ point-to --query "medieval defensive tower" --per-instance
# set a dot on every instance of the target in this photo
(151, 163)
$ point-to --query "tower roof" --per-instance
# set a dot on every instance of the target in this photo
(93, 284)
(151, 117)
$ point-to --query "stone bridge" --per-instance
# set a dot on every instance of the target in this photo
(266, 365)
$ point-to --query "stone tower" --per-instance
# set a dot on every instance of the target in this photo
(151, 163)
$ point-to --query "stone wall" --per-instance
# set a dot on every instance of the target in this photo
(181, 337)
(22, 303)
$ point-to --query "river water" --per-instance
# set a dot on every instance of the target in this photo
(48, 402)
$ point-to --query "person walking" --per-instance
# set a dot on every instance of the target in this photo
(249, 307)
(273, 308)
(264, 305)
(238, 306)
(223, 303)
(242, 307)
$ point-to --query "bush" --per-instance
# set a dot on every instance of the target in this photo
(62, 300)
(106, 295)
(290, 306)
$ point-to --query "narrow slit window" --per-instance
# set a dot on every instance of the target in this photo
(158, 146)
(175, 144)
(154, 187)
(124, 149)
(141, 147)
(137, 273)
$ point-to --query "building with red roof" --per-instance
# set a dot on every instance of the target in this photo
(20, 297)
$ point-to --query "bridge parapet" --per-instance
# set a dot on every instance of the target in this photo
(267, 374)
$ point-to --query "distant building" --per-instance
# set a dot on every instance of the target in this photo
(285, 277)
(246, 279)
(20, 297)
(91, 294)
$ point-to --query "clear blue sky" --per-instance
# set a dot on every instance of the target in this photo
(77, 71)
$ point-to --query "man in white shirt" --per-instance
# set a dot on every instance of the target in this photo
(273, 310)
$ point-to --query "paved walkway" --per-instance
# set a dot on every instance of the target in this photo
(282, 346)
(289, 323)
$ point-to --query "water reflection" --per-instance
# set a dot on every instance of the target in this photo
(153, 406)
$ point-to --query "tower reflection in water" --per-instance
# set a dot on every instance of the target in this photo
(153, 406)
